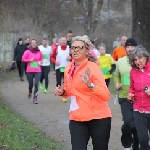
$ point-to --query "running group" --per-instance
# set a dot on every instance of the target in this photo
(76, 62)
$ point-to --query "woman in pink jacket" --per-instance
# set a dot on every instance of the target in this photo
(139, 93)
(34, 58)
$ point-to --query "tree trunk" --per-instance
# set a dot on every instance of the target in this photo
(141, 22)
(89, 18)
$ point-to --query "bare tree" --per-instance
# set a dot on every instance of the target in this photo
(89, 14)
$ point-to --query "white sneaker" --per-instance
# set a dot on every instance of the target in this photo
(116, 100)
(128, 148)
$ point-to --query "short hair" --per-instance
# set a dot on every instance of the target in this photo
(102, 44)
(27, 38)
(69, 31)
(44, 39)
(139, 51)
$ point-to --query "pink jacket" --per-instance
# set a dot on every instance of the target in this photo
(138, 80)
(32, 66)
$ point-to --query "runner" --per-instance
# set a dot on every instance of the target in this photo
(139, 93)
(119, 52)
(90, 115)
(18, 53)
(69, 38)
(54, 46)
(61, 57)
(45, 66)
(129, 136)
(105, 63)
(33, 57)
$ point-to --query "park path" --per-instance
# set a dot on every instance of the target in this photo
(51, 115)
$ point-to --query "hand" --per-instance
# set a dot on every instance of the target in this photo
(32, 59)
(41, 62)
(57, 63)
(147, 91)
(68, 58)
(130, 97)
(85, 78)
(118, 86)
(59, 91)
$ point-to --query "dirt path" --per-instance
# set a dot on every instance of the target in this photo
(51, 115)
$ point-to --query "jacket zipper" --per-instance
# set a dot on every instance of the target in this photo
(142, 88)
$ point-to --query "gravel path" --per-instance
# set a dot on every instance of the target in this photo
(51, 115)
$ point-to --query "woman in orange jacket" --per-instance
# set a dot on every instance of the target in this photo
(90, 115)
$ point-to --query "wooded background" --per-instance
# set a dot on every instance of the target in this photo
(102, 19)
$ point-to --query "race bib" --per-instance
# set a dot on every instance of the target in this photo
(126, 79)
(62, 69)
(34, 64)
(45, 56)
(105, 71)
(73, 104)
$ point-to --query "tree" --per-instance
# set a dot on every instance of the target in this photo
(89, 14)
(141, 22)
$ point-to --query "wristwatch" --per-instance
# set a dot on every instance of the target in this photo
(91, 85)
(145, 88)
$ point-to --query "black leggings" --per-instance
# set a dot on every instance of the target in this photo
(59, 77)
(44, 75)
(142, 122)
(129, 133)
(98, 130)
(30, 77)
(107, 81)
(20, 66)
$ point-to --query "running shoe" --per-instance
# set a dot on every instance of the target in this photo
(29, 95)
(21, 79)
(46, 91)
(35, 101)
(64, 100)
(41, 86)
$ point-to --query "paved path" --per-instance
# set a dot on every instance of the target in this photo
(51, 115)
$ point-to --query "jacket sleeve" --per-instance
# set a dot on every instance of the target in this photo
(114, 55)
(25, 57)
(100, 89)
(41, 57)
(53, 56)
(131, 89)
(15, 53)
(117, 76)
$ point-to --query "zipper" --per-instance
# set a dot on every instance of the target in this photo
(142, 88)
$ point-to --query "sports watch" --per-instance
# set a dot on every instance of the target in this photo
(91, 85)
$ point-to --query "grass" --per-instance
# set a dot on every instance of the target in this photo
(16, 133)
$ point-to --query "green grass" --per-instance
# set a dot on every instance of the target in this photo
(16, 133)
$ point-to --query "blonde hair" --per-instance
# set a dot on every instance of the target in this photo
(88, 44)
(85, 39)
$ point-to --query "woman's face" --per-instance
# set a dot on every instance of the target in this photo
(20, 42)
(140, 62)
(33, 44)
(102, 50)
(78, 50)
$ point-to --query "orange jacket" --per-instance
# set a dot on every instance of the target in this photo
(118, 52)
(91, 104)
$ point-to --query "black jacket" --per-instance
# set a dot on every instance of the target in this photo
(18, 52)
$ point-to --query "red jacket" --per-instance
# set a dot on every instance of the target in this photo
(138, 80)
(53, 56)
